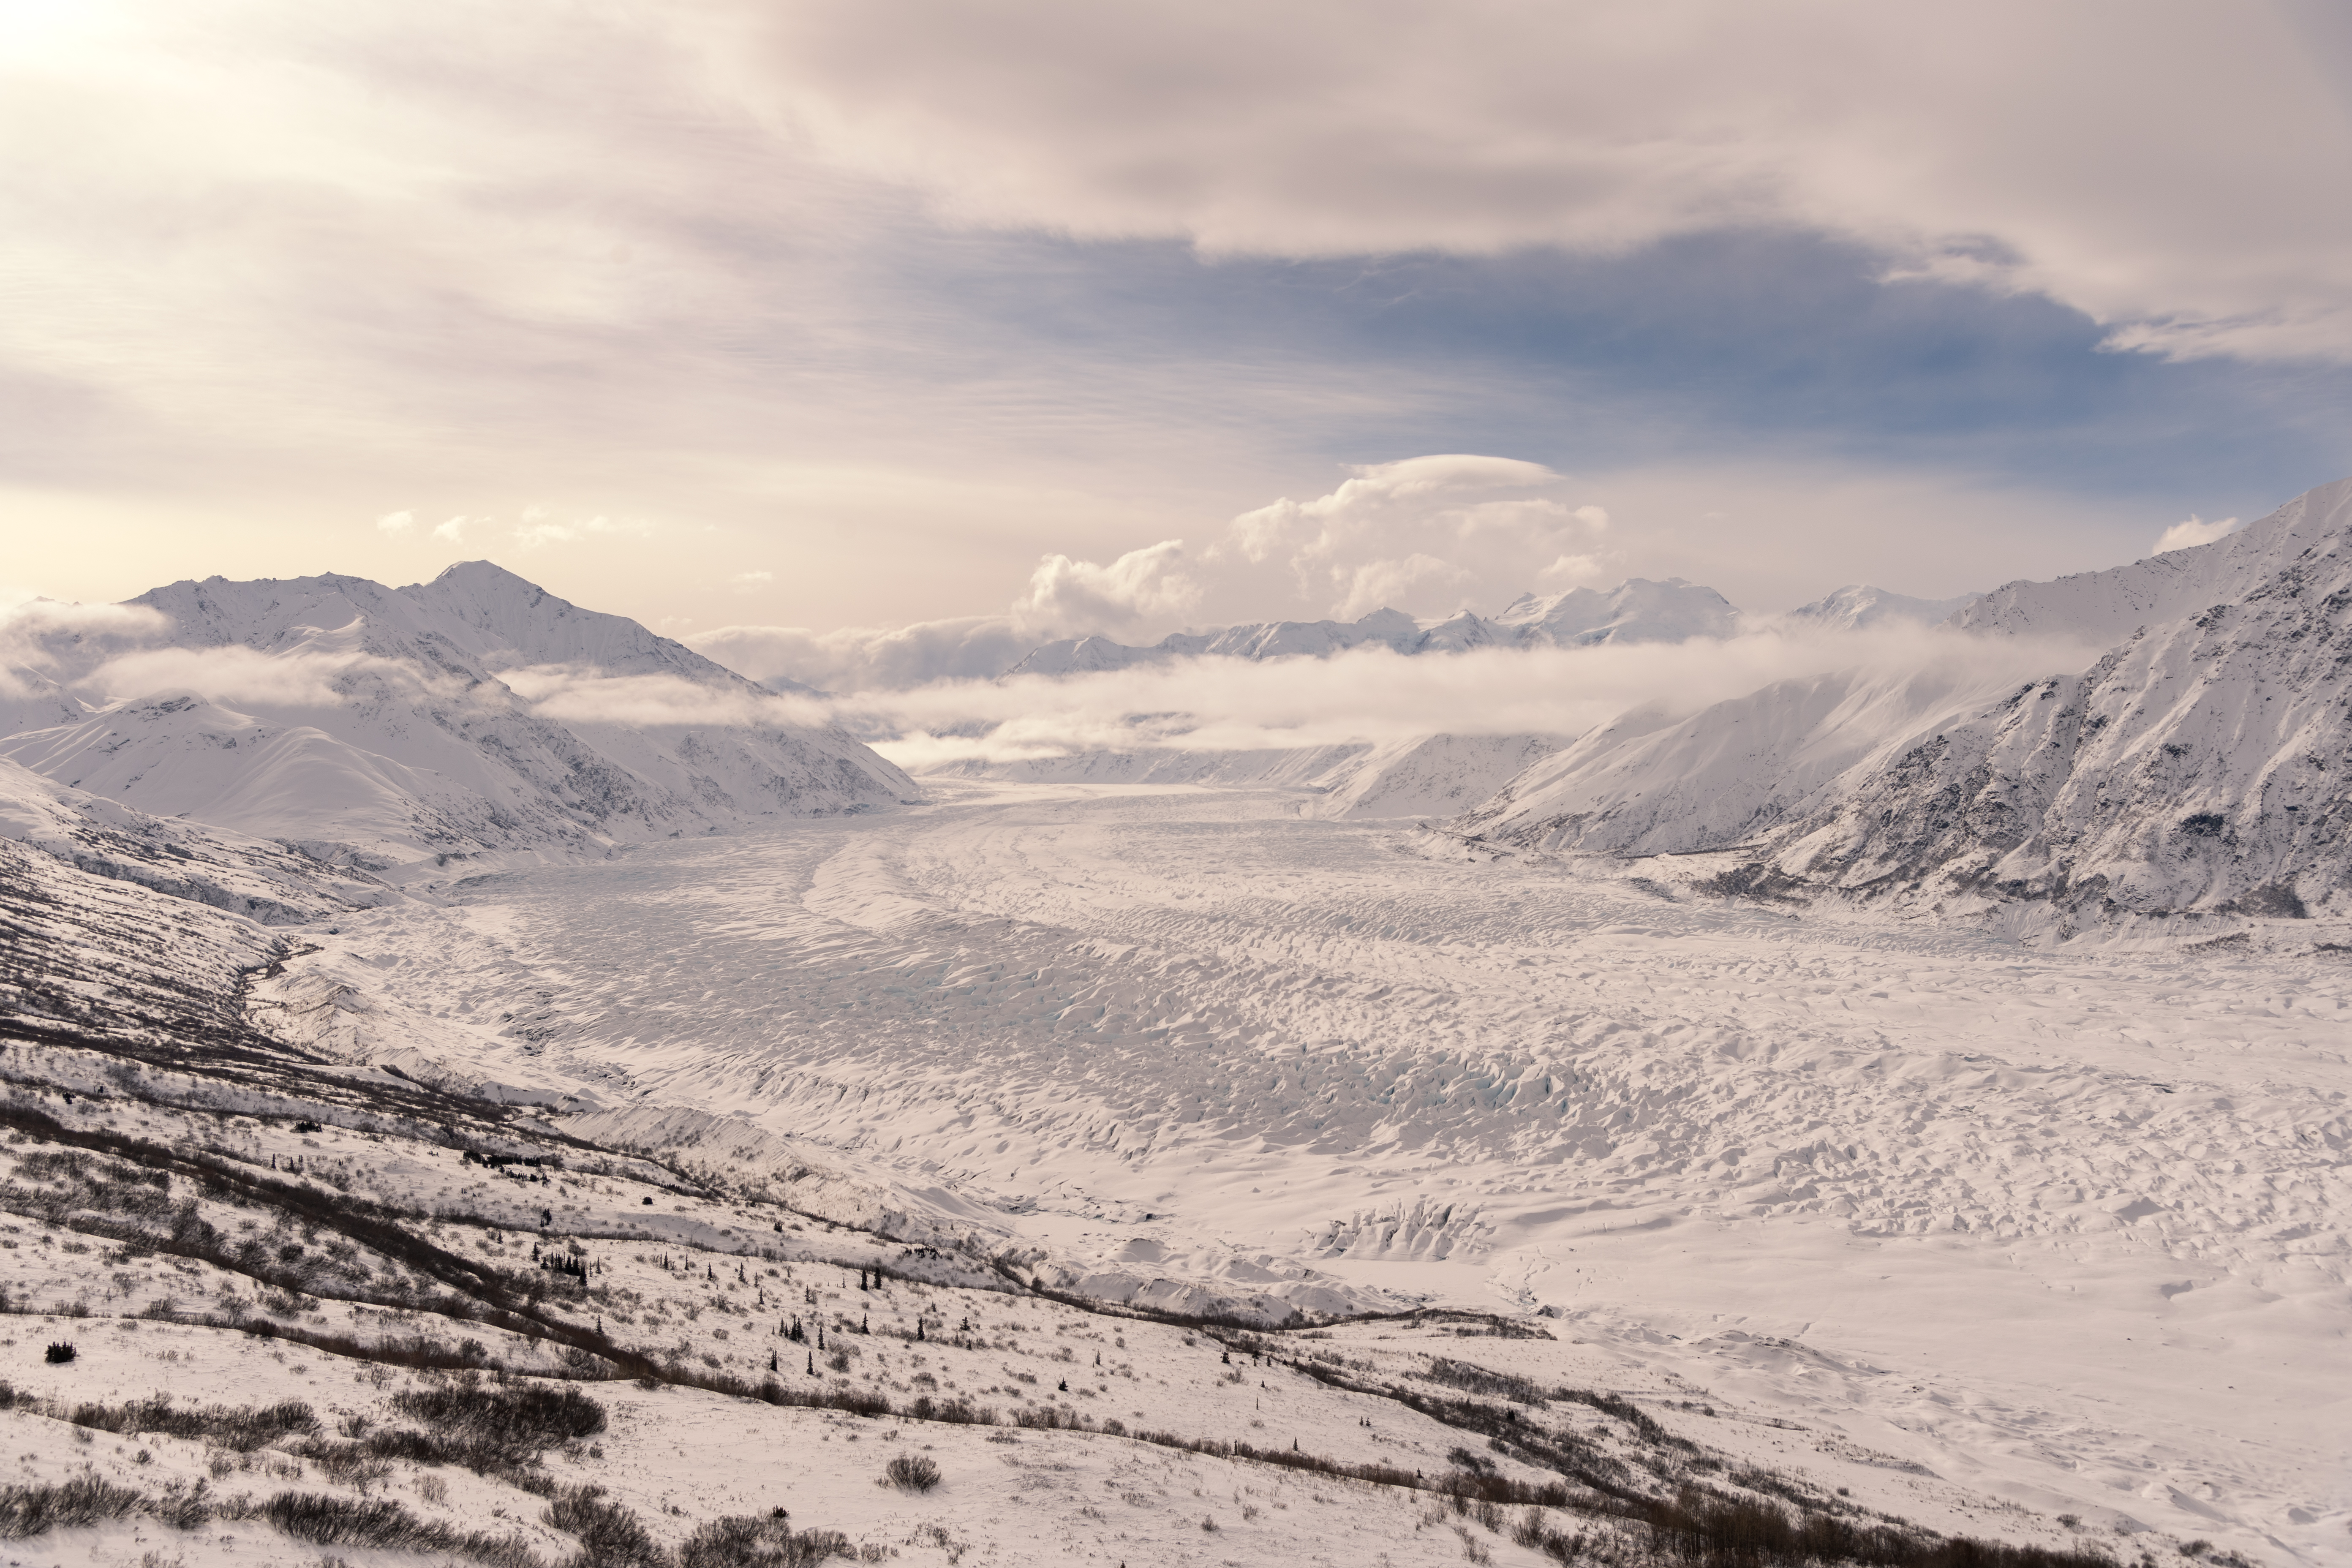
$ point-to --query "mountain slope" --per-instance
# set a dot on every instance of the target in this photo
(2195, 764)
(472, 715)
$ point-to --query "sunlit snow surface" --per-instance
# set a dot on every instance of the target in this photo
(2064, 1225)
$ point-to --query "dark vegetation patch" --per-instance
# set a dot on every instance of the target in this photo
(243, 1429)
(741, 1540)
(911, 1473)
(64, 1505)
(324, 1520)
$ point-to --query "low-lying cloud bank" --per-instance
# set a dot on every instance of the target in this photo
(1367, 695)
(1374, 695)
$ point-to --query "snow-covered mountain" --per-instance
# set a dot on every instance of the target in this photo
(2194, 762)
(1637, 610)
(471, 715)
(1858, 605)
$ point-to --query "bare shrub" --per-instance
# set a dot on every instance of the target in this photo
(911, 1473)
(63, 1505)
(610, 1535)
(325, 1520)
(741, 1540)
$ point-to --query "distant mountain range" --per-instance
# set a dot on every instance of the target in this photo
(1637, 610)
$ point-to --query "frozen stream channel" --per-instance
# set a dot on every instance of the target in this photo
(2066, 1227)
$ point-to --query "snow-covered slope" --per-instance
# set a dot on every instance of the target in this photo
(473, 714)
(2194, 764)
(1637, 610)
(1858, 605)
(265, 881)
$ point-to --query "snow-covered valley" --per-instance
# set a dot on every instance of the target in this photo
(1915, 1092)
(2060, 1224)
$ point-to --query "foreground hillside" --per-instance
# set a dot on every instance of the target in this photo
(416, 1331)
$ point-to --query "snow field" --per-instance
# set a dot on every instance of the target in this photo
(2062, 1222)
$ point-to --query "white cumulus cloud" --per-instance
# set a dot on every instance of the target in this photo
(1078, 598)
(1418, 533)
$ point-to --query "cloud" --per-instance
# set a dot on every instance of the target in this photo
(245, 676)
(870, 658)
(2189, 534)
(539, 529)
(1415, 533)
(583, 694)
(1078, 598)
(750, 582)
(2017, 146)
(453, 531)
(66, 641)
(397, 522)
(1373, 695)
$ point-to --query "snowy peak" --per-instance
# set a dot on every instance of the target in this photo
(1637, 610)
(1858, 605)
(515, 622)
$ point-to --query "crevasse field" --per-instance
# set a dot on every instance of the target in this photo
(1988, 1221)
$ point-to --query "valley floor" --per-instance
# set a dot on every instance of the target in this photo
(1990, 1228)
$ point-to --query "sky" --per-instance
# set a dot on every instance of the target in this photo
(882, 341)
